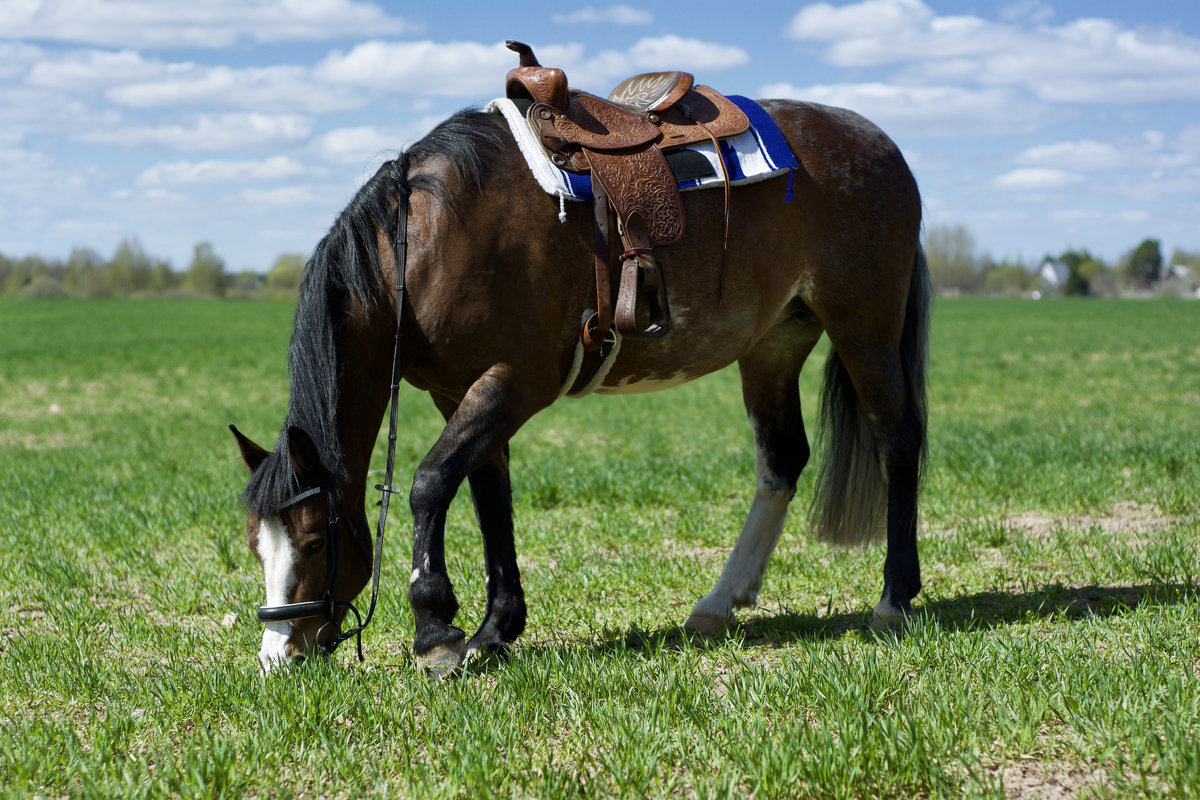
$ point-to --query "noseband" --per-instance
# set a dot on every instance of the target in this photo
(328, 605)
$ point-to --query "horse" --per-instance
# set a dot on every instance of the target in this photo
(488, 324)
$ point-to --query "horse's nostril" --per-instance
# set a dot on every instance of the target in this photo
(295, 653)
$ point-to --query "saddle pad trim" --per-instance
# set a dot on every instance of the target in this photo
(758, 154)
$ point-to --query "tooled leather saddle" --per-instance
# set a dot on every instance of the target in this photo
(621, 142)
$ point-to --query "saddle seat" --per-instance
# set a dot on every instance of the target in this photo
(652, 92)
(619, 142)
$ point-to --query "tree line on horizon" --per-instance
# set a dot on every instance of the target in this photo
(956, 268)
(954, 265)
(132, 272)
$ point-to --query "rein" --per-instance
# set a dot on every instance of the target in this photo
(328, 605)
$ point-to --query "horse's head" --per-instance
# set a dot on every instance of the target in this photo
(314, 555)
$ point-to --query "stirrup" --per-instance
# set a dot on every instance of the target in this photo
(642, 280)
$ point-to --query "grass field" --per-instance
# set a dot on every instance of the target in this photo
(1057, 653)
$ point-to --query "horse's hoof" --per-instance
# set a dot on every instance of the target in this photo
(704, 623)
(481, 658)
(888, 617)
(444, 660)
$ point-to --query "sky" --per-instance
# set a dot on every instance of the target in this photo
(1037, 126)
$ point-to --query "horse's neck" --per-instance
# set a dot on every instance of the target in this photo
(364, 380)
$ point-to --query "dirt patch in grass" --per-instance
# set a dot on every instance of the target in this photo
(1124, 518)
(1131, 520)
(675, 549)
(1025, 780)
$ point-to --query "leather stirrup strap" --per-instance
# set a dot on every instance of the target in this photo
(597, 326)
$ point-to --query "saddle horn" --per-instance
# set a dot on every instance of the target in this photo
(534, 82)
(528, 59)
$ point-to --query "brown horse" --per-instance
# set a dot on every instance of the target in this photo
(496, 289)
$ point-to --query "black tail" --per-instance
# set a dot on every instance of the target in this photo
(850, 503)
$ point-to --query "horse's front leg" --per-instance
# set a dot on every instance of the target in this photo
(491, 493)
(505, 617)
(473, 441)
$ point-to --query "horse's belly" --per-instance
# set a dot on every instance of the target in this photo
(632, 384)
(685, 354)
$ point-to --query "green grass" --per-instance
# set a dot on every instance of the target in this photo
(1058, 644)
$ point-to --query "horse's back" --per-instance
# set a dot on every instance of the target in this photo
(835, 239)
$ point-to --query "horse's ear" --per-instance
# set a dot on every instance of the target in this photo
(252, 454)
(303, 454)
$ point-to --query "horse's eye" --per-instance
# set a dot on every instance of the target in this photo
(314, 547)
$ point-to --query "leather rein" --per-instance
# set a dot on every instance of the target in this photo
(328, 605)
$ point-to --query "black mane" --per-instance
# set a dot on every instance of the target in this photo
(346, 267)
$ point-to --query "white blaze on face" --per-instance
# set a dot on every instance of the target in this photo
(279, 576)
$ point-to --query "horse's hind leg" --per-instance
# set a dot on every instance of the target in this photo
(893, 428)
(874, 416)
(770, 389)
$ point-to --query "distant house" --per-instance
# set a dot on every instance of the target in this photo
(1054, 273)
(1181, 280)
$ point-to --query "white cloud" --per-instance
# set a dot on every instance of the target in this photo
(130, 79)
(865, 20)
(1150, 150)
(27, 111)
(299, 239)
(924, 110)
(1036, 179)
(283, 196)
(275, 88)
(35, 188)
(354, 145)
(470, 69)
(149, 194)
(89, 70)
(17, 57)
(175, 173)
(1084, 61)
(600, 72)
(453, 69)
(368, 144)
(1134, 215)
(186, 23)
(618, 15)
(210, 132)
(86, 227)
(1086, 155)
(674, 52)
(1031, 11)
(1095, 61)
(31, 103)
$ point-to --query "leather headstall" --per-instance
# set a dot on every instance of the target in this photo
(328, 605)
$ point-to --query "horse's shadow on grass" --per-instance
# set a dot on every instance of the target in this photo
(973, 612)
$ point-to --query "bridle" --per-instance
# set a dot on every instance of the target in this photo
(328, 605)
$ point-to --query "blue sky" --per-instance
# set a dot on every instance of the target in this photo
(250, 123)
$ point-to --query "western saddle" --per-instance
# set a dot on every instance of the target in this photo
(620, 143)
